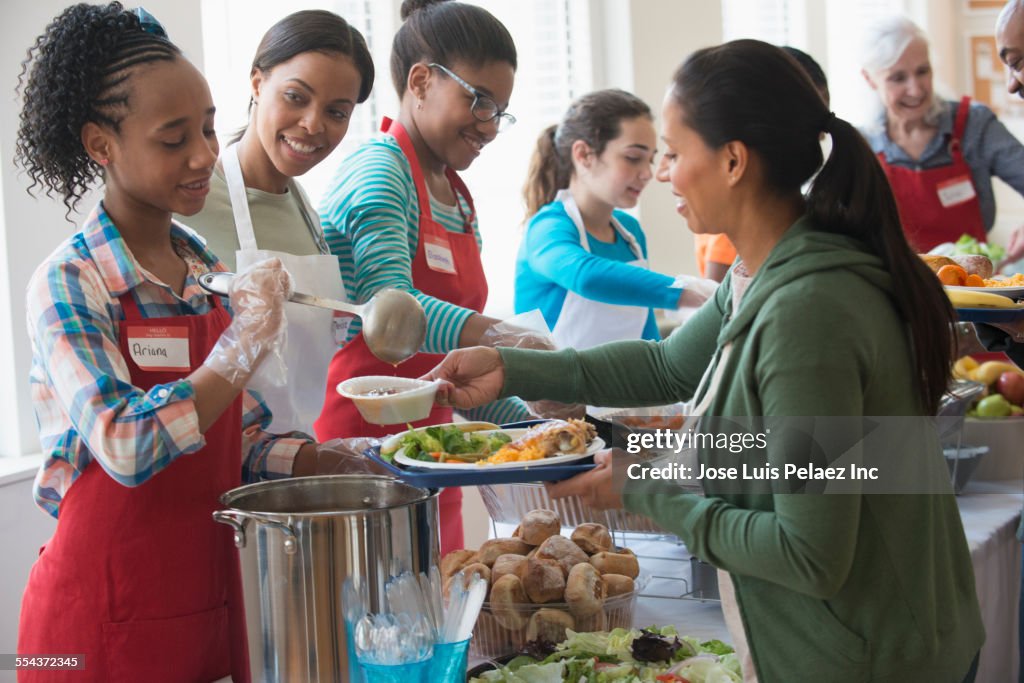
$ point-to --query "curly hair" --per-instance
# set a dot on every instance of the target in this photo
(78, 71)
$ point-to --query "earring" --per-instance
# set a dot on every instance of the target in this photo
(419, 105)
(104, 162)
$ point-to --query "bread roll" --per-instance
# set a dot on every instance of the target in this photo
(549, 625)
(496, 547)
(508, 564)
(592, 538)
(617, 584)
(935, 262)
(454, 561)
(543, 580)
(584, 590)
(507, 600)
(624, 563)
(975, 264)
(538, 525)
(561, 550)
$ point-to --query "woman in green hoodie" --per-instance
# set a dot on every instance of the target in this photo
(830, 314)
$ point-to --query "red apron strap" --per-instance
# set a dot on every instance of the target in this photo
(397, 131)
(959, 128)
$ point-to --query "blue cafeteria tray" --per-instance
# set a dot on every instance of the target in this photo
(990, 315)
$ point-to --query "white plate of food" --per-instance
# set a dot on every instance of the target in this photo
(452, 447)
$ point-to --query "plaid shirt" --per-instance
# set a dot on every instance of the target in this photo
(82, 393)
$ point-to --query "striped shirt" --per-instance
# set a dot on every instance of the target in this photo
(85, 403)
(370, 218)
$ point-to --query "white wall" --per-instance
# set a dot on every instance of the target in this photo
(659, 36)
(24, 528)
(29, 231)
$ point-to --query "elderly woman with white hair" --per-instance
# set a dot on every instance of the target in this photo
(939, 155)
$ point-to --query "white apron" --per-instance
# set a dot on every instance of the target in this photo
(583, 323)
(310, 342)
(709, 384)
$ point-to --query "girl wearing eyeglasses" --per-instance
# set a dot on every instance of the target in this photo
(398, 215)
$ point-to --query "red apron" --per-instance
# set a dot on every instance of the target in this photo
(938, 205)
(141, 580)
(466, 287)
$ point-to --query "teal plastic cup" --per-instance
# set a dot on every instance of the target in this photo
(413, 672)
(448, 664)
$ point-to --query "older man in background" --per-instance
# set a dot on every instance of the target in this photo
(1010, 45)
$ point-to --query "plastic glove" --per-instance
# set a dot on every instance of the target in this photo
(508, 335)
(257, 331)
(696, 290)
(347, 456)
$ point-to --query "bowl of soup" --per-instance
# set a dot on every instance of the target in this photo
(383, 400)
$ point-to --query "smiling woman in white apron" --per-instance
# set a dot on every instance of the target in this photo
(583, 261)
(310, 71)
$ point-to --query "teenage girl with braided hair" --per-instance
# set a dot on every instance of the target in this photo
(137, 375)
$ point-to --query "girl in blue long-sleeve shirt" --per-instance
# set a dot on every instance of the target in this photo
(583, 261)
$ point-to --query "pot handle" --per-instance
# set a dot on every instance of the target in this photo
(237, 519)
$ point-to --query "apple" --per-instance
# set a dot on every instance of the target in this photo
(995, 405)
(1011, 385)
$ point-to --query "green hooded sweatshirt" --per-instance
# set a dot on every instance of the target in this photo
(836, 588)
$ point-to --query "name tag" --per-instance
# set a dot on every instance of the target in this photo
(956, 191)
(159, 348)
(439, 254)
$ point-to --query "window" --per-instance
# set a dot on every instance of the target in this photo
(830, 31)
(772, 21)
(231, 34)
(553, 47)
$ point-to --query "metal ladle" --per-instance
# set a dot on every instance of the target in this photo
(394, 324)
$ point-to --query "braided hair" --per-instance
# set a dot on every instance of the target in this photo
(79, 71)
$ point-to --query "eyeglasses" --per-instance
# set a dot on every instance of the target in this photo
(484, 108)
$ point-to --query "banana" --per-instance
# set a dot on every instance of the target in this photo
(989, 371)
(964, 368)
(967, 299)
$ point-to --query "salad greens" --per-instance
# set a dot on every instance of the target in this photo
(440, 444)
(967, 245)
(611, 657)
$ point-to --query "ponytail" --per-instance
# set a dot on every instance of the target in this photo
(851, 195)
(548, 173)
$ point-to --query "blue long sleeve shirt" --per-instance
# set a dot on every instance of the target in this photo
(552, 262)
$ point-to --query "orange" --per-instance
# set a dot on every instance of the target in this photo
(975, 280)
(952, 275)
